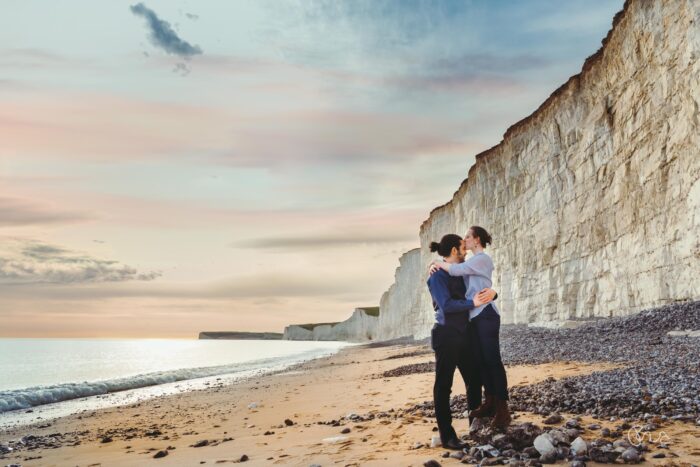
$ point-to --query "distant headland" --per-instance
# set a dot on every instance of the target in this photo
(241, 335)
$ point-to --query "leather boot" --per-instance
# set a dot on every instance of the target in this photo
(501, 419)
(487, 409)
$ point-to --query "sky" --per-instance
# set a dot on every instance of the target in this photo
(170, 167)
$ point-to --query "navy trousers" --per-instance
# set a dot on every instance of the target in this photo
(453, 350)
(493, 375)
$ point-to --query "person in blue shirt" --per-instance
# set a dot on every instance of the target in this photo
(452, 338)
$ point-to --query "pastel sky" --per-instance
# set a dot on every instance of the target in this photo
(168, 167)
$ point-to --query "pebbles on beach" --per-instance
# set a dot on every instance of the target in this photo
(660, 374)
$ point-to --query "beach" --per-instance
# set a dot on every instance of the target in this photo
(336, 410)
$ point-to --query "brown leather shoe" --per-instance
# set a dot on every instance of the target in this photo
(501, 419)
(487, 409)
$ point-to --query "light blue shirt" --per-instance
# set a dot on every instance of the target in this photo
(476, 272)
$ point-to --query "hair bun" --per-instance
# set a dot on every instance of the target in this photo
(434, 246)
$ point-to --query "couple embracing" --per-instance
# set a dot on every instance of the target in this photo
(466, 333)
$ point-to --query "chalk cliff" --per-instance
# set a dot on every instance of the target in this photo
(360, 327)
(593, 201)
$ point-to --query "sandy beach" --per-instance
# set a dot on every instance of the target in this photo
(302, 416)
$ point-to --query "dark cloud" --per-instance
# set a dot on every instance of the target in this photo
(323, 241)
(32, 262)
(162, 35)
(15, 212)
(181, 69)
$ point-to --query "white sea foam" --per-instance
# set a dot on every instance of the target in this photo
(25, 398)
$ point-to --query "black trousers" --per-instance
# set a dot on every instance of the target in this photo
(453, 350)
(487, 326)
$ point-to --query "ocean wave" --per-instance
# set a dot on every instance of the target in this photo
(31, 397)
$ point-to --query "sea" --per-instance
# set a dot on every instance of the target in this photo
(42, 379)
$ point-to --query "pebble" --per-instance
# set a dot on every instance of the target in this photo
(243, 458)
(631, 456)
(288, 422)
(579, 446)
(544, 445)
(160, 454)
(553, 419)
(345, 431)
(431, 463)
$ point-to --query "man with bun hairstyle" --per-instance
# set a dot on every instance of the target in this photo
(450, 338)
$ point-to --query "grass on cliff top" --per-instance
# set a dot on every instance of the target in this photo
(371, 310)
(311, 326)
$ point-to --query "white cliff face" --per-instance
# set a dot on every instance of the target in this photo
(593, 201)
(360, 327)
(402, 307)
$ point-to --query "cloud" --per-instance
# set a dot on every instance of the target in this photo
(272, 285)
(25, 261)
(15, 212)
(324, 241)
(163, 36)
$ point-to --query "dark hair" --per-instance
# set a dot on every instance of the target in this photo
(444, 248)
(484, 236)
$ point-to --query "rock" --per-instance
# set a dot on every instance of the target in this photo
(477, 424)
(160, 454)
(268, 433)
(548, 458)
(631, 456)
(435, 442)
(288, 422)
(543, 444)
(593, 426)
(622, 443)
(446, 454)
(253, 405)
(335, 439)
(201, 443)
(576, 463)
(579, 446)
(553, 419)
(431, 463)
(417, 445)
(456, 455)
(602, 455)
(106, 439)
(488, 450)
(345, 431)
(532, 452)
(558, 437)
(492, 461)
(243, 458)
